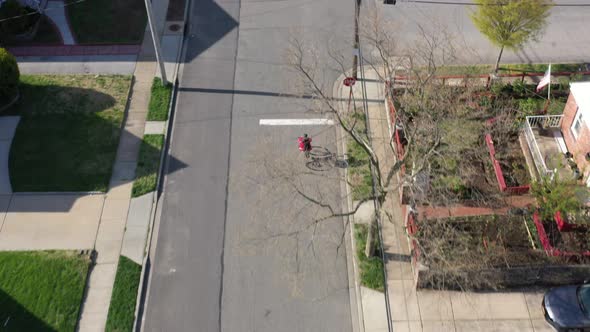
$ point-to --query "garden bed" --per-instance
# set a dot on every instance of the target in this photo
(459, 172)
(494, 239)
(453, 250)
(509, 165)
(572, 244)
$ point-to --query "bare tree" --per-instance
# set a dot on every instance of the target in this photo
(424, 98)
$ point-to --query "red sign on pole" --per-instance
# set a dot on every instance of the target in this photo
(349, 81)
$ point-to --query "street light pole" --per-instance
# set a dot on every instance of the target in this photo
(156, 39)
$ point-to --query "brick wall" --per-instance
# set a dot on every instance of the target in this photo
(580, 146)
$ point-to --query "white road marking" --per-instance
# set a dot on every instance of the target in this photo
(296, 122)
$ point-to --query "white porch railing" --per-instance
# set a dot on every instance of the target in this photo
(541, 121)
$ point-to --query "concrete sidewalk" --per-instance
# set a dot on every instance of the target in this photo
(426, 310)
(7, 130)
(77, 64)
(47, 221)
(109, 240)
(56, 11)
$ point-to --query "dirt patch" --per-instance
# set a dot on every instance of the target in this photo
(512, 162)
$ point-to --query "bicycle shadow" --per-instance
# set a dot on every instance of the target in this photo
(322, 159)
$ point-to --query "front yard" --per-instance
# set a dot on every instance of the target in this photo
(108, 21)
(41, 290)
(69, 132)
(461, 170)
(456, 251)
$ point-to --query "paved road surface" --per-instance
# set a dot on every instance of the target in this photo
(564, 39)
(224, 257)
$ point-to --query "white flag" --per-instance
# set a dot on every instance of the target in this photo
(545, 80)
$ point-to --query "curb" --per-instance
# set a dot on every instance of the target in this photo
(146, 271)
(142, 295)
(345, 187)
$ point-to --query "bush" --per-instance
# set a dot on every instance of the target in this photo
(15, 26)
(519, 88)
(9, 76)
(530, 106)
(555, 195)
(498, 88)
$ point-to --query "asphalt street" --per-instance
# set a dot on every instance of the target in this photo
(237, 249)
(564, 39)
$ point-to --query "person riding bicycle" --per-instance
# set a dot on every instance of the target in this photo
(305, 144)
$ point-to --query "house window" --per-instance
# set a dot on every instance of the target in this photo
(577, 124)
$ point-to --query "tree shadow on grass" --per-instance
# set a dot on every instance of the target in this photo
(68, 140)
(15, 317)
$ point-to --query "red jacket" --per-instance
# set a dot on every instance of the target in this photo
(301, 142)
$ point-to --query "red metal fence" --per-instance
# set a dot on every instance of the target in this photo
(509, 75)
(547, 246)
(517, 190)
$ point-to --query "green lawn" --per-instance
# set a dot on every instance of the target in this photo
(148, 163)
(41, 290)
(122, 307)
(359, 173)
(159, 101)
(69, 132)
(107, 21)
(371, 269)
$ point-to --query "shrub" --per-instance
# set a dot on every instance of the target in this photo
(498, 88)
(529, 106)
(9, 76)
(12, 8)
(576, 77)
(555, 195)
(519, 88)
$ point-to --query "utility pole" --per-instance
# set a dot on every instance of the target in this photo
(355, 55)
(156, 39)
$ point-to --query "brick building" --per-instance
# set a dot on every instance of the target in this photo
(575, 126)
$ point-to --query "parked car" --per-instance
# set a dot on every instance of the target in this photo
(567, 308)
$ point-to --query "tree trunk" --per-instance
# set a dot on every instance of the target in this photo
(370, 245)
(498, 60)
